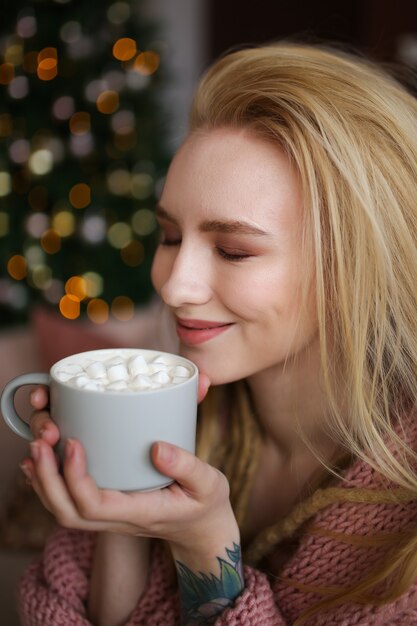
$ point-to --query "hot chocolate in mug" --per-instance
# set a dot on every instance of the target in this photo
(117, 403)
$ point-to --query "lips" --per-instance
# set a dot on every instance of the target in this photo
(194, 332)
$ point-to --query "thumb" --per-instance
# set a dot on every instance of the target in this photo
(185, 468)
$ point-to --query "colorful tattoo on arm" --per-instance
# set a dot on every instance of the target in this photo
(204, 597)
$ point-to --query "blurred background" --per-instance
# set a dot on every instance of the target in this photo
(94, 99)
(93, 102)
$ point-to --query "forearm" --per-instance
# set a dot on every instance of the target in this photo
(209, 580)
(118, 578)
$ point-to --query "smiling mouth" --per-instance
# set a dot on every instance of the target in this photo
(194, 332)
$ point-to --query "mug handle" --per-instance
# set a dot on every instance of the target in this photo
(12, 419)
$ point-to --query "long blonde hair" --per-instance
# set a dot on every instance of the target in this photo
(351, 131)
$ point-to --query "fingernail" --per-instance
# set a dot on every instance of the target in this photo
(35, 451)
(69, 449)
(27, 471)
(166, 452)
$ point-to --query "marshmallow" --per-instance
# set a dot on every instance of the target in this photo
(180, 370)
(118, 385)
(161, 378)
(137, 365)
(142, 382)
(96, 370)
(117, 372)
(128, 371)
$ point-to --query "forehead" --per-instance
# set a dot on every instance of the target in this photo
(232, 171)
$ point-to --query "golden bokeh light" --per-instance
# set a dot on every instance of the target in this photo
(76, 286)
(69, 307)
(47, 69)
(80, 123)
(94, 284)
(80, 195)
(108, 102)
(124, 49)
(41, 276)
(98, 311)
(6, 73)
(51, 241)
(122, 308)
(17, 267)
(64, 223)
(133, 253)
(147, 63)
(14, 54)
(119, 234)
(143, 222)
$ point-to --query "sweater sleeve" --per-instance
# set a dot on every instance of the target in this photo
(54, 590)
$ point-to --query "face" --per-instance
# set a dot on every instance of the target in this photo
(229, 264)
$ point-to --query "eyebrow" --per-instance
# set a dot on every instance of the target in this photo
(237, 227)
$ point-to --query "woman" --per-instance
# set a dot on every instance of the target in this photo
(288, 262)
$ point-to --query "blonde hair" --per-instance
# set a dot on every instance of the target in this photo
(350, 129)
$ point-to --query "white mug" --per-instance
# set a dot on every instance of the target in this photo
(116, 428)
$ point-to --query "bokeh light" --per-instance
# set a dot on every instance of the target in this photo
(54, 291)
(63, 223)
(108, 102)
(118, 12)
(34, 255)
(133, 253)
(143, 222)
(122, 308)
(41, 162)
(19, 87)
(142, 186)
(147, 63)
(26, 26)
(14, 54)
(76, 286)
(124, 49)
(37, 224)
(69, 307)
(47, 64)
(70, 32)
(119, 234)
(17, 267)
(81, 145)
(19, 151)
(93, 284)
(63, 108)
(94, 229)
(51, 241)
(5, 184)
(80, 195)
(118, 182)
(98, 311)
(80, 123)
(41, 276)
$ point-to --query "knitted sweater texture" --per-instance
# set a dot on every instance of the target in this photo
(53, 591)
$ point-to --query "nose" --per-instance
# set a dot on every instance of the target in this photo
(188, 279)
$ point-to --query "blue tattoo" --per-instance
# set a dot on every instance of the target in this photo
(204, 597)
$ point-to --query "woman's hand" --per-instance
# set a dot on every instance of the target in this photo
(188, 513)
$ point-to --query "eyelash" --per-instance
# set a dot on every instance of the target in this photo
(225, 255)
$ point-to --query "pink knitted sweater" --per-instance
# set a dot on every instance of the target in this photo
(53, 591)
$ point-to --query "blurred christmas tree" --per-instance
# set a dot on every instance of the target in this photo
(82, 155)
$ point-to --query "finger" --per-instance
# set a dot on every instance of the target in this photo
(203, 386)
(39, 398)
(195, 476)
(43, 427)
(91, 502)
